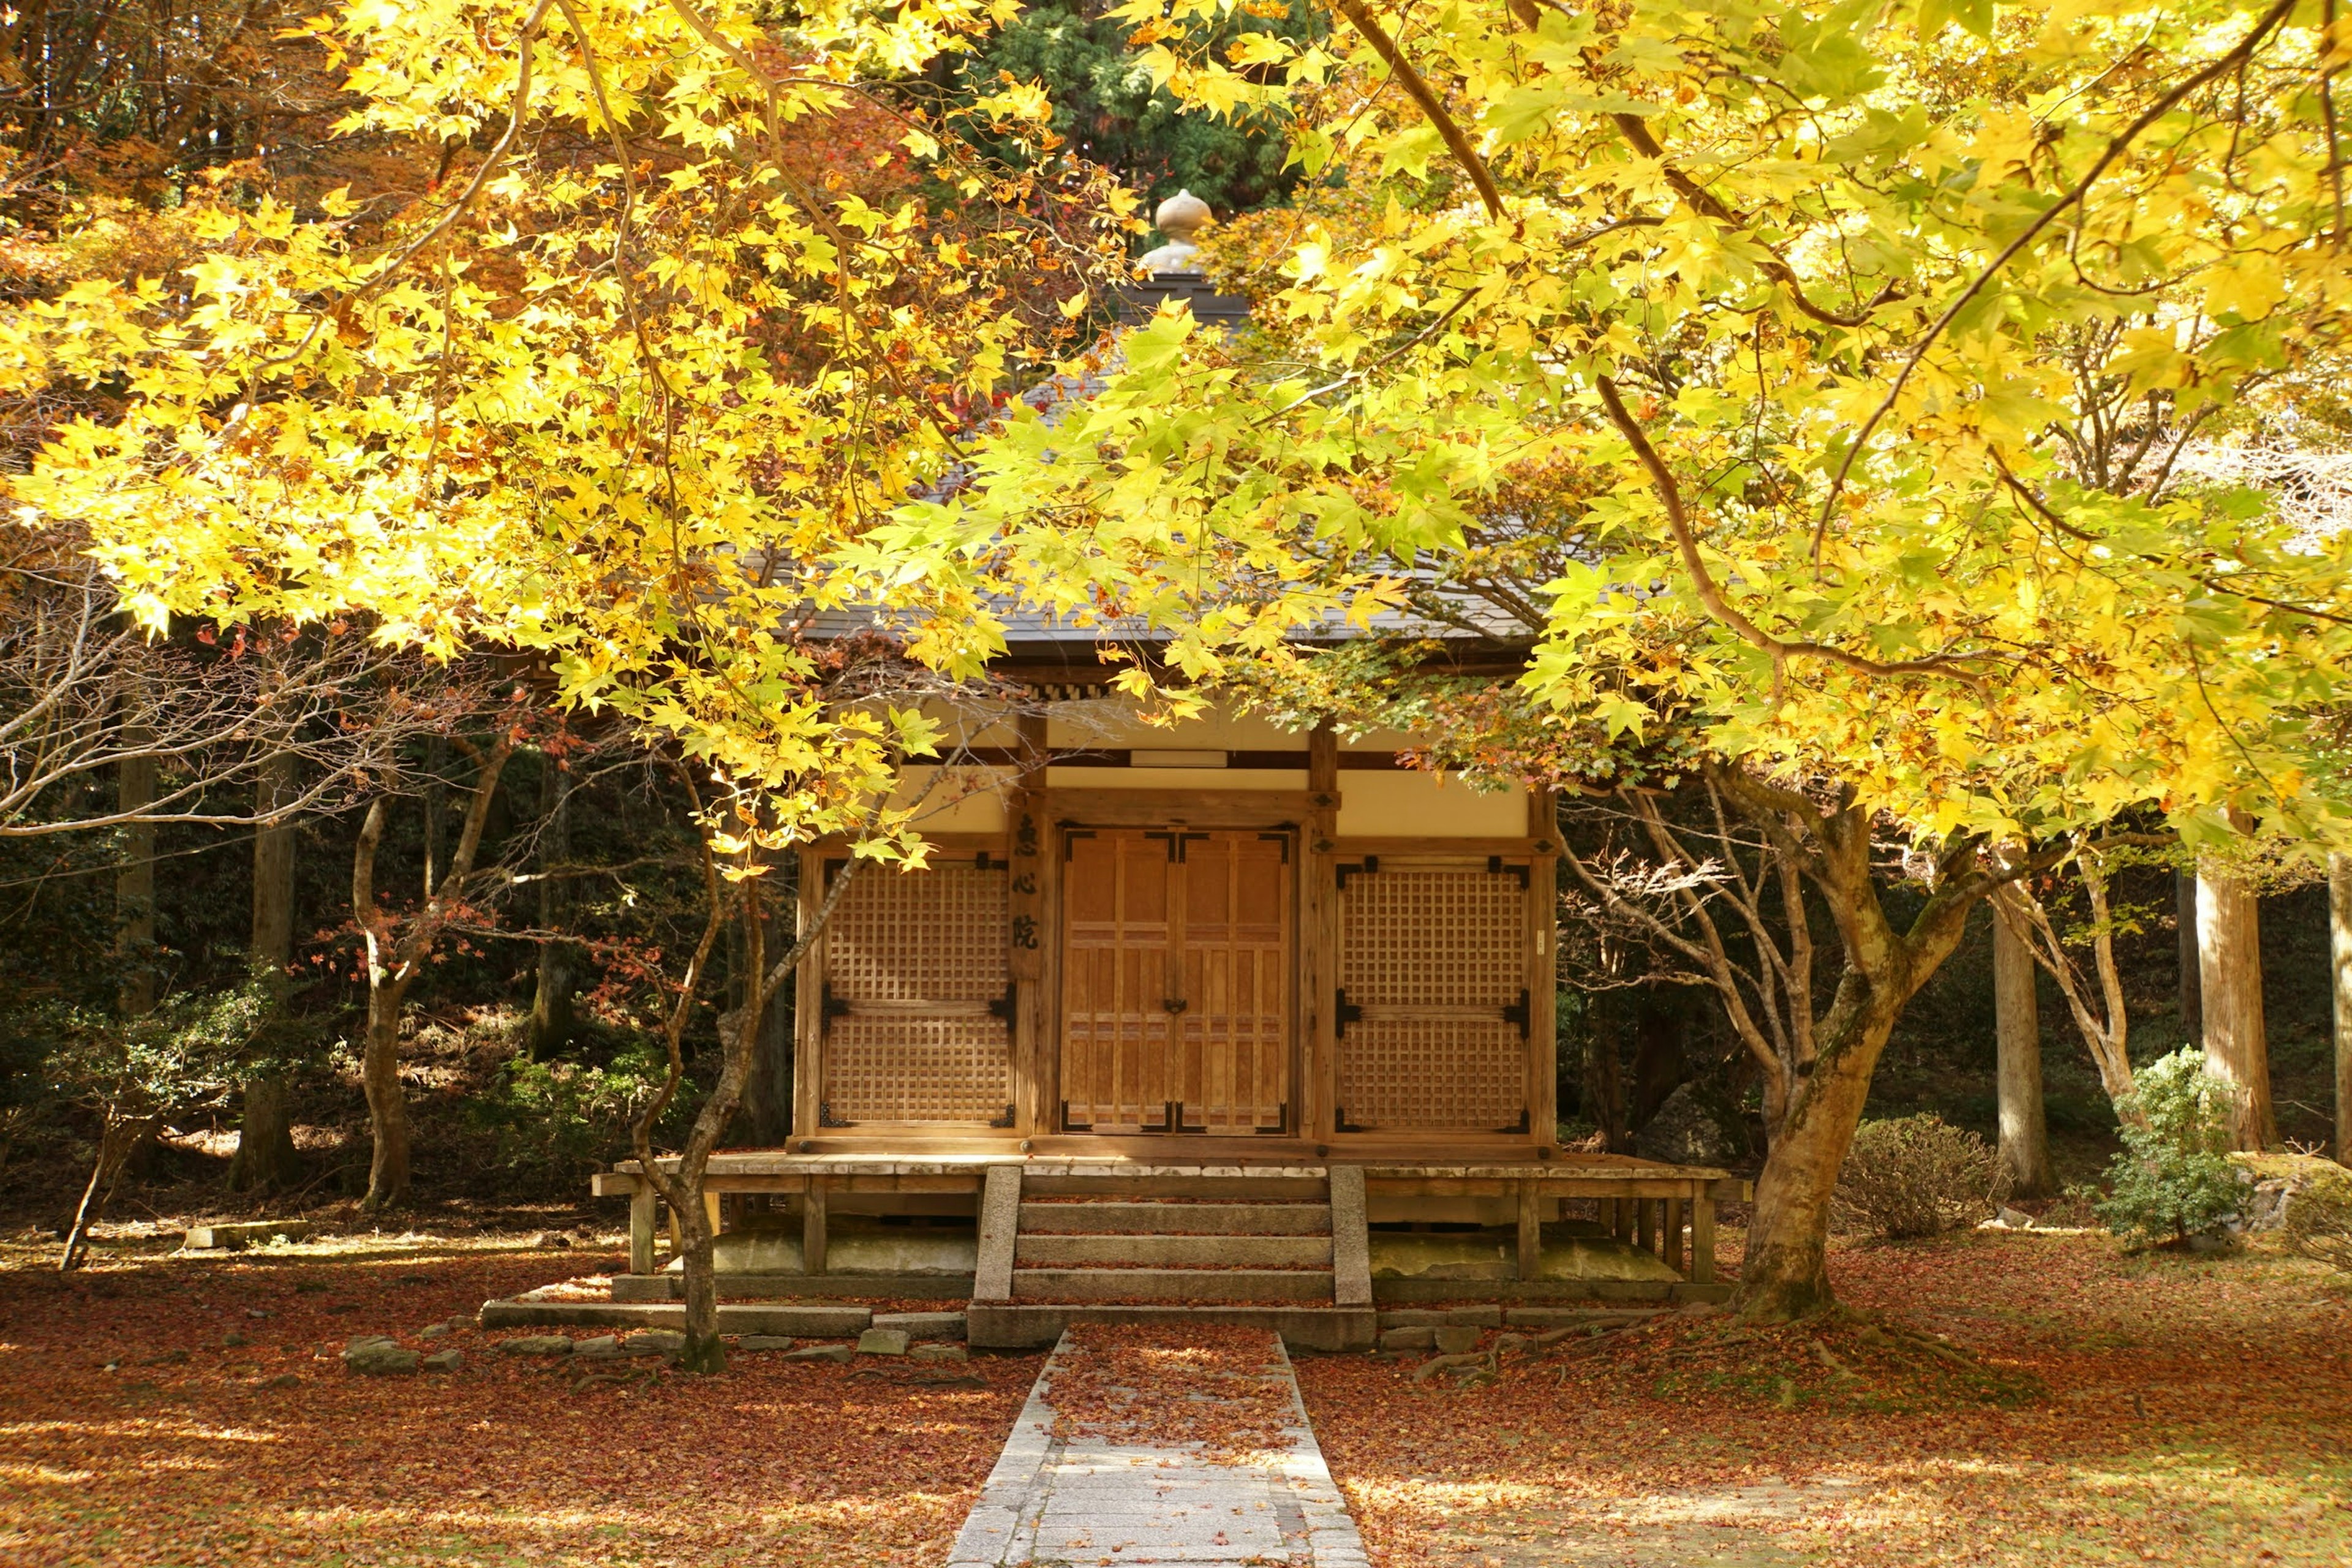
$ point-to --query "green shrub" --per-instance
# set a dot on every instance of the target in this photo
(560, 1119)
(2174, 1178)
(1917, 1175)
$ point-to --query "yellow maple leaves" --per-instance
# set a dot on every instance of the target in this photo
(1912, 332)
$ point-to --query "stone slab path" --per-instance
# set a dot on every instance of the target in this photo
(1079, 1502)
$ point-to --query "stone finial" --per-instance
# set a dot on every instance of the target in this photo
(1179, 218)
(1182, 216)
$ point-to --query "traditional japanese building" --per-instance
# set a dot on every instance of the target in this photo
(1216, 1017)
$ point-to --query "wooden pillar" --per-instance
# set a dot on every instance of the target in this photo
(808, 1006)
(1319, 947)
(1644, 1222)
(1530, 1229)
(1027, 929)
(1677, 1211)
(1702, 1262)
(714, 1211)
(1543, 969)
(641, 1228)
(812, 1227)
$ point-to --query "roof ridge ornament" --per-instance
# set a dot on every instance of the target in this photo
(1178, 218)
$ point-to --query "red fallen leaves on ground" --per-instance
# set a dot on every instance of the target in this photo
(2090, 1408)
(1173, 1383)
(187, 1455)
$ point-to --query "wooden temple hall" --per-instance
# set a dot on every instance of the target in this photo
(1211, 1018)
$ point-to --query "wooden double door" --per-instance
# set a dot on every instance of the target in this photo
(1179, 967)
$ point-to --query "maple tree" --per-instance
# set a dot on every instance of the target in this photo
(691, 302)
(1877, 330)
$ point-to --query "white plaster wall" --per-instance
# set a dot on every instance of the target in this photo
(968, 800)
(1378, 804)
(1111, 724)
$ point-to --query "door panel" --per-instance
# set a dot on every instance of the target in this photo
(1176, 991)
(1236, 944)
(1116, 892)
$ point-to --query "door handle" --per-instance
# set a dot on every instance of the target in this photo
(1173, 1005)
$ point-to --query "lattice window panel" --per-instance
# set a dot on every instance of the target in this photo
(920, 936)
(895, 1068)
(1434, 938)
(913, 960)
(1450, 1074)
(1434, 969)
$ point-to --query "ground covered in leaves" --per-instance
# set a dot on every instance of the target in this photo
(1996, 1400)
(1215, 1387)
(229, 1433)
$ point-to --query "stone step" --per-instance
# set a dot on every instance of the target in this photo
(1040, 1251)
(1017, 1325)
(1171, 1285)
(1146, 1186)
(1122, 1218)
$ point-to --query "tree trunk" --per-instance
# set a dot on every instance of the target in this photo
(2339, 926)
(2229, 975)
(437, 805)
(1604, 1074)
(134, 887)
(394, 965)
(387, 1102)
(2192, 995)
(119, 1139)
(264, 1158)
(2024, 1141)
(552, 1020)
(1785, 1274)
(704, 1351)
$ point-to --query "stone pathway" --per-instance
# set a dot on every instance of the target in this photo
(1081, 1501)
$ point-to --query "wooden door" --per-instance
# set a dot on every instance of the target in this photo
(1234, 1031)
(1116, 982)
(1176, 981)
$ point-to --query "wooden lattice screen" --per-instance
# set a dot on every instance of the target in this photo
(917, 998)
(1432, 1012)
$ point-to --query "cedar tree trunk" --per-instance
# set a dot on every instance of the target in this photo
(552, 1015)
(134, 885)
(2192, 996)
(264, 1158)
(2024, 1138)
(2229, 973)
(2339, 928)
